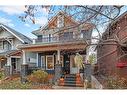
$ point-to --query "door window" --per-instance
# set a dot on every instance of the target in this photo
(50, 62)
(43, 62)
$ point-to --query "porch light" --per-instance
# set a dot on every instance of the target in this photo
(2, 59)
(121, 65)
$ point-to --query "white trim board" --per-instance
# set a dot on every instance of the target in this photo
(12, 33)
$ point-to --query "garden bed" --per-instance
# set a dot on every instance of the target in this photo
(2, 74)
(16, 84)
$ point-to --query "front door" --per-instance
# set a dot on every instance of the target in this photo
(66, 68)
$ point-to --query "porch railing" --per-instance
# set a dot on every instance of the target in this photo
(58, 39)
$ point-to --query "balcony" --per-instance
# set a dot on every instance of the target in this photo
(57, 39)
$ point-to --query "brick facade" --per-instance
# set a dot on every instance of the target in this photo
(110, 54)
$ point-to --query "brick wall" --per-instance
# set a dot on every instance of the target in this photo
(108, 54)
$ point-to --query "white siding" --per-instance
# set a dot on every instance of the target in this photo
(31, 58)
(16, 42)
(5, 34)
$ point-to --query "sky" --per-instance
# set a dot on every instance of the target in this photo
(9, 15)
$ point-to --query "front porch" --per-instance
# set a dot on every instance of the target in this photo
(10, 62)
(56, 59)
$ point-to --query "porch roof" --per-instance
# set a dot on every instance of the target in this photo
(54, 46)
(9, 53)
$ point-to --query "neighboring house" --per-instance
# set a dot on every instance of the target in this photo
(9, 54)
(112, 57)
(56, 43)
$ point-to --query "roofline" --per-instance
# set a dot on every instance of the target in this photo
(119, 17)
(23, 46)
(12, 33)
(52, 20)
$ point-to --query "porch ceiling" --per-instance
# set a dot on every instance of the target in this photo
(54, 47)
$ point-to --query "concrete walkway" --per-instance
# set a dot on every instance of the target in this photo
(66, 87)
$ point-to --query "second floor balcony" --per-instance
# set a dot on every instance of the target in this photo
(63, 38)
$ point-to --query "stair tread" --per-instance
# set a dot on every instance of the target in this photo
(70, 80)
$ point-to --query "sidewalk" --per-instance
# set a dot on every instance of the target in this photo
(66, 87)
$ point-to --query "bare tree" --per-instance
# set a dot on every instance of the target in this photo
(99, 16)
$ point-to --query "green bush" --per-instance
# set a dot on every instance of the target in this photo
(38, 76)
(14, 84)
(1, 75)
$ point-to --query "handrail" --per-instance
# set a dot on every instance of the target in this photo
(58, 39)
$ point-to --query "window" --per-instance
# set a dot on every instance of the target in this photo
(81, 35)
(68, 35)
(39, 37)
(6, 45)
(43, 62)
(60, 21)
(1, 45)
(50, 62)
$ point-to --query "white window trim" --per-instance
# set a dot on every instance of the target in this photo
(37, 59)
(46, 61)
(41, 62)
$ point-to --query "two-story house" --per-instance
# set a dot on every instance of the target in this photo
(56, 43)
(9, 54)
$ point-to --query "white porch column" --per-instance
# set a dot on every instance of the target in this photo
(24, 68)
(24, 58)
(58, 54)
(8, 61)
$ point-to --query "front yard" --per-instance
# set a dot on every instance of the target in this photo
(14, 82)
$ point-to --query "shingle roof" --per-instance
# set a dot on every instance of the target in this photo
(20, 36)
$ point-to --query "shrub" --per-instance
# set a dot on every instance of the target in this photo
(117, 83)
(1, 75)
(38, 76)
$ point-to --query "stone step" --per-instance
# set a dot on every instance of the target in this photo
(70, 79)
(73, 85)
(70, 82)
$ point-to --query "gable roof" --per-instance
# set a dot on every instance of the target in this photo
(18, 35)
(52, 19)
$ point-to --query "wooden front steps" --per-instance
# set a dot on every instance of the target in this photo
(71, 80)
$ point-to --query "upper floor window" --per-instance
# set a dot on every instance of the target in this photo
(66, 36)
(85, 34)
(6, 45)
(39, 37)
(60, 21)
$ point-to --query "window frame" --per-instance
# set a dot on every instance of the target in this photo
(47, 63)
(43, 63)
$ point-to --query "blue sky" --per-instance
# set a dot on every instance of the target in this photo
(9, 16)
